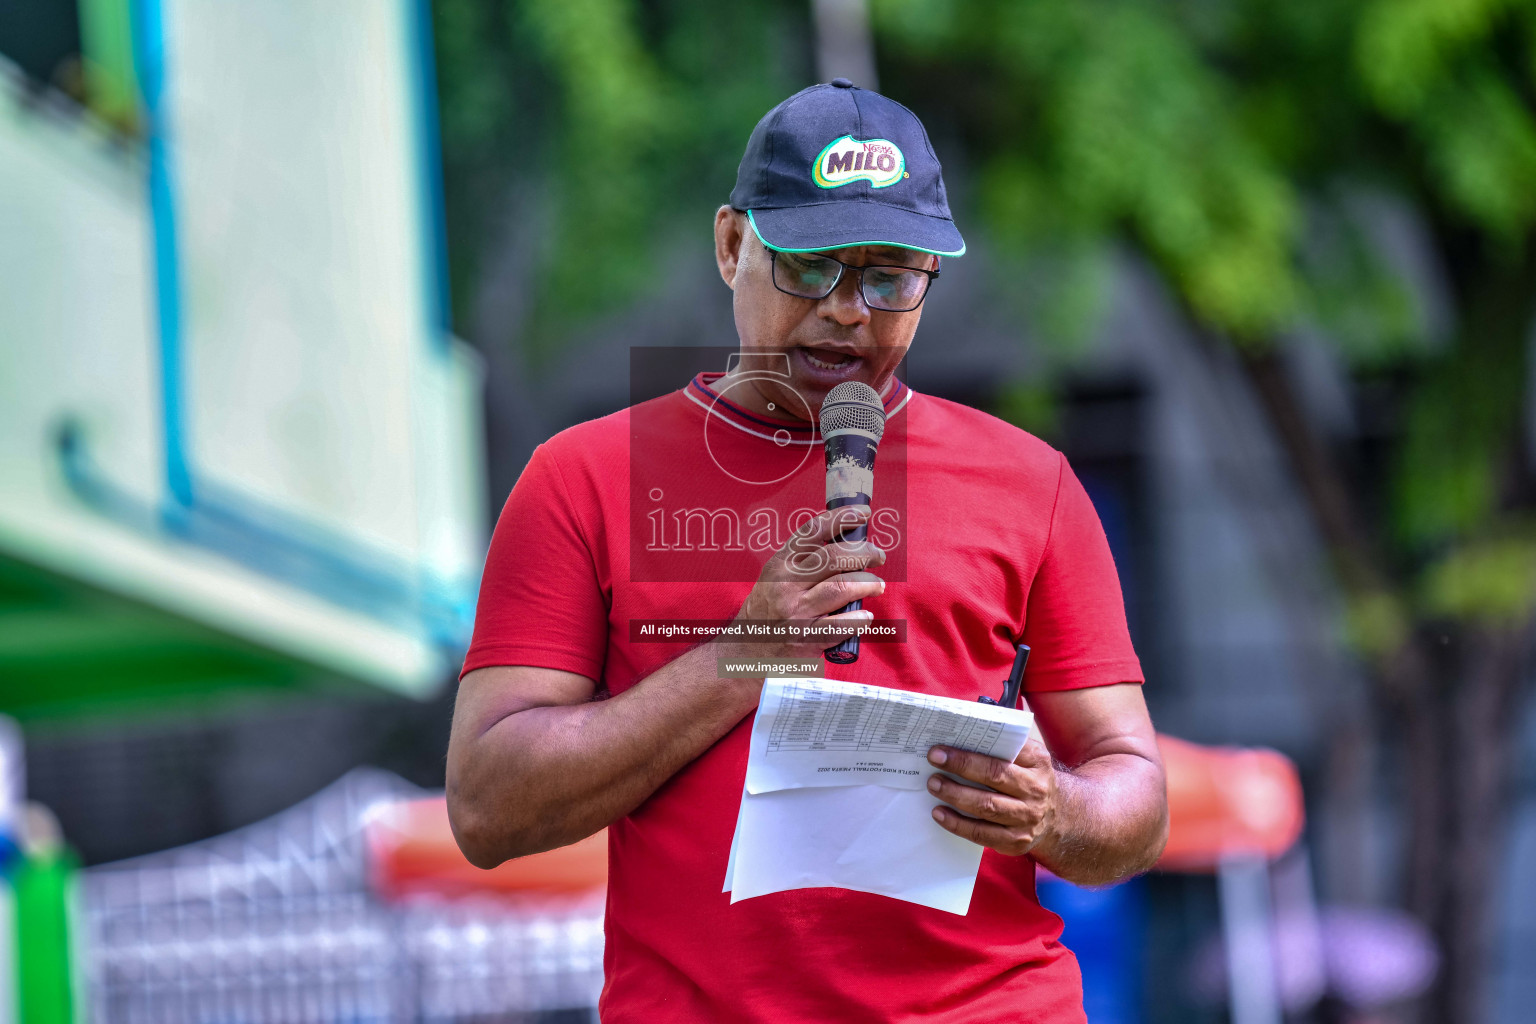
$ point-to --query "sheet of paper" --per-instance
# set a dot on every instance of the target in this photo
(836, 792)
(870, 838)
(825, 732)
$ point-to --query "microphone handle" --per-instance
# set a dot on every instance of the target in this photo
(847, 652)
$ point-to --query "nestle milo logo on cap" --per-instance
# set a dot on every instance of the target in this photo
(877, 161)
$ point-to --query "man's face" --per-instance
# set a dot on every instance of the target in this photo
(827, 341)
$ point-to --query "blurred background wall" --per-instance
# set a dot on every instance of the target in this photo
(1265, 273)
(242, 454)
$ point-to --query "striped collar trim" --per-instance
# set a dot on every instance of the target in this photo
(699, 392)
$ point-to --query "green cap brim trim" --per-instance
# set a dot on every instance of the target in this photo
(845, 245)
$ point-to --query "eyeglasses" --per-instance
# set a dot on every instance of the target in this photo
(809, 276)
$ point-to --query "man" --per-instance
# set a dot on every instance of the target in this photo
(568, 722)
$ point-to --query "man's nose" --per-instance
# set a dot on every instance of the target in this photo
(845, 304)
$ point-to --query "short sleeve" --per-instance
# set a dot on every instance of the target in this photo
(1075, 625)
(541, 601)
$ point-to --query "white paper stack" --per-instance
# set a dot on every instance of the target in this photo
(836, 791)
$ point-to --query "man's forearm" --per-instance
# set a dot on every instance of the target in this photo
(1111, 820)
(533, 766)
(544, 777)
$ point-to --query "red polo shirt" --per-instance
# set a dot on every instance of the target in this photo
(667, 511)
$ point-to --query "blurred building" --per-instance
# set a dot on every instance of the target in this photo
(230, 397)
(241, 498)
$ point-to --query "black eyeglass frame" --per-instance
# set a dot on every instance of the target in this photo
(844, 267)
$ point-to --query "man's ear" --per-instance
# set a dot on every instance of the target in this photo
(730, 237)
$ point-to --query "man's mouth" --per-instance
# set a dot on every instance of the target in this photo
(828, 359)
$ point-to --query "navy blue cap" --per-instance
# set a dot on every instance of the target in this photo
(835, 165)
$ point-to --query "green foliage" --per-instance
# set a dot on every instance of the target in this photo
(474, 99)
(1481, 146)
(595, 163)
(1406, 48)
(625, 120)
(1375, 623)
(1459, 454)
(1253, 151)
(1030, 405)
(1368, 309)
(1447, 486)
(1433, 66)
(1268, 159)
(1492, 582)
(616, 134)
(1107, 118)
(1211, 133)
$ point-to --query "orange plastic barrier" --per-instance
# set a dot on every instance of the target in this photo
(413, 852)
(1225, 800)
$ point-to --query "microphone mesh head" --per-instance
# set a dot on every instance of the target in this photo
(853, 405)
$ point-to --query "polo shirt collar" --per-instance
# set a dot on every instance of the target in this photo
(700, 392)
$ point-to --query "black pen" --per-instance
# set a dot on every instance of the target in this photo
(1014, 681)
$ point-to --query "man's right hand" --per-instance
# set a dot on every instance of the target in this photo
(535, 763)
(808, 579)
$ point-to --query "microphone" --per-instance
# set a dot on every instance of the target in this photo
(852, 422)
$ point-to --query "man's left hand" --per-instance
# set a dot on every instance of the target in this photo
(1017, 810)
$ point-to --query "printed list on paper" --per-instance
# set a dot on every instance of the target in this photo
(836, 792)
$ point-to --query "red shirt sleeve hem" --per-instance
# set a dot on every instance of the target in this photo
(1110, 673)
(531, 654)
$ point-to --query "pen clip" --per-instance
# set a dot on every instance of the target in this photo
(1015, 677)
